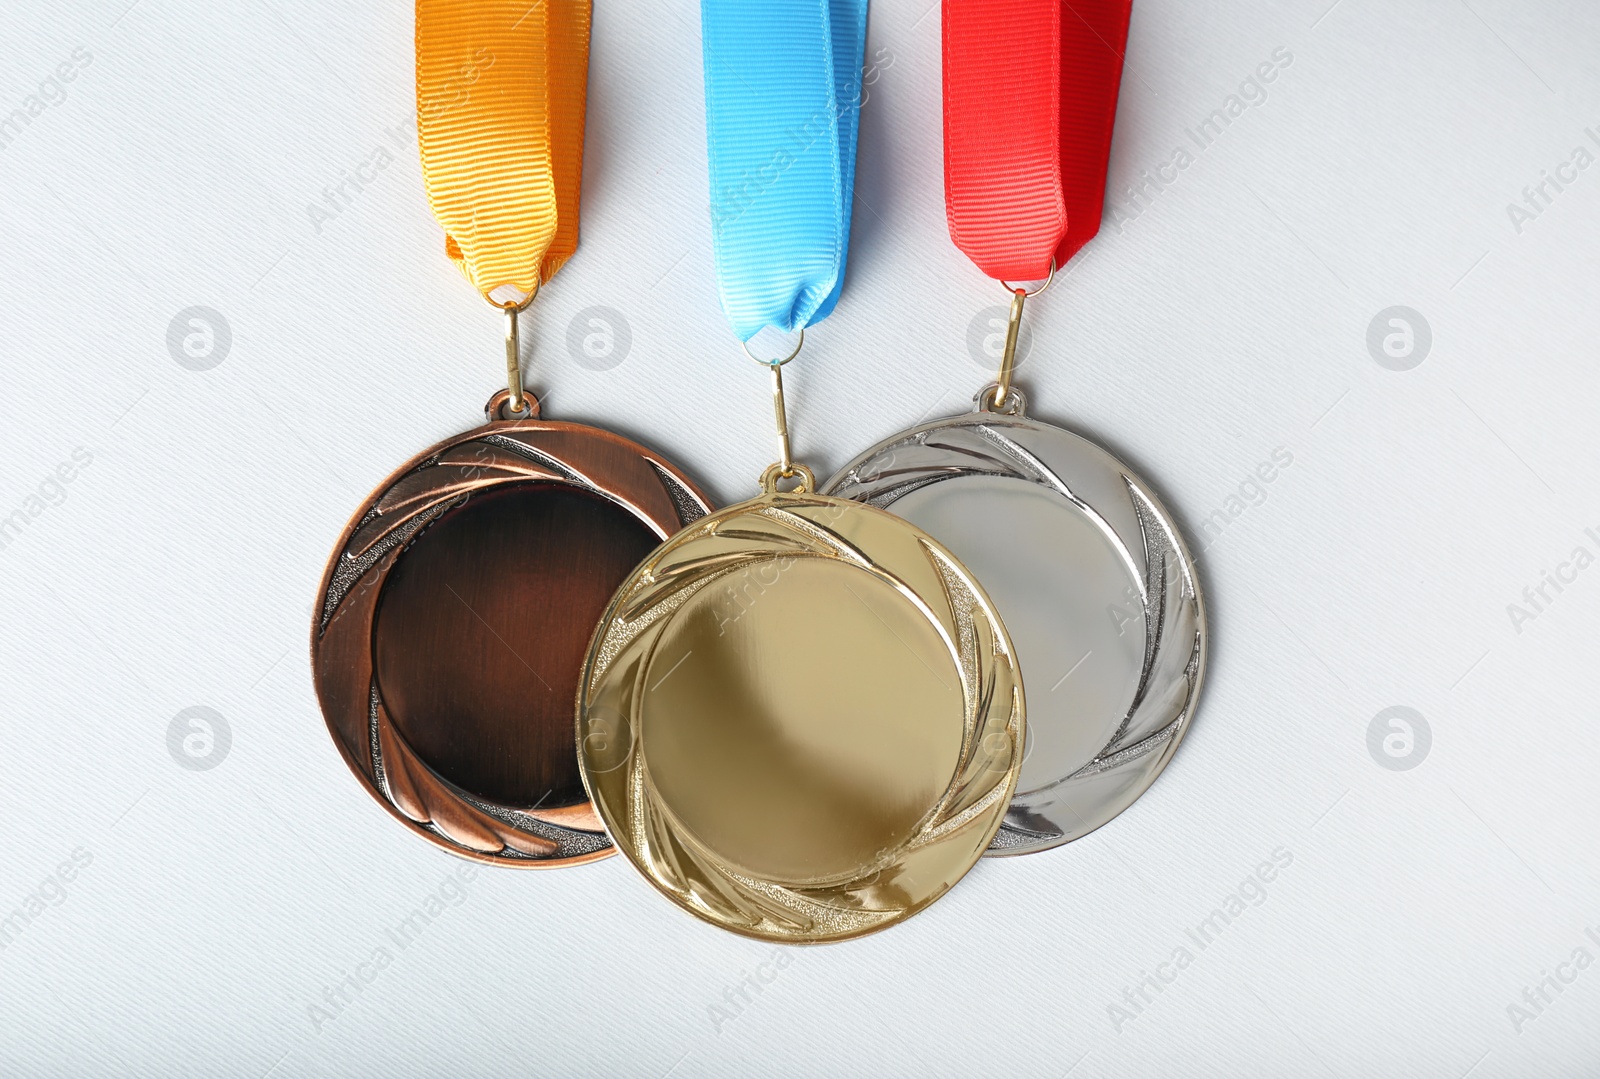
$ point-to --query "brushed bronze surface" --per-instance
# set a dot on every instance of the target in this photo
(481, 630)
(800, 719)
(453, 618)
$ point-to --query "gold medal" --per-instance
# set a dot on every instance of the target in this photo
(800, 717)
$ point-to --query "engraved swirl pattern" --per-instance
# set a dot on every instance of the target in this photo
(1014, 447)
(434, 483)
(953, 832)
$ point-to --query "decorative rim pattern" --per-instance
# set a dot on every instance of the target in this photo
(426, 487)
(953, 833)
(1008, 444)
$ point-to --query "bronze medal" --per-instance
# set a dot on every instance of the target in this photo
(450, 628)
(453, 619)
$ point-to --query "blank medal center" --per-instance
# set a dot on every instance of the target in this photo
(1068, 600)
(481, 630)
(801, 717)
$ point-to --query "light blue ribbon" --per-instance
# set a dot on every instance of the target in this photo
(783, 99)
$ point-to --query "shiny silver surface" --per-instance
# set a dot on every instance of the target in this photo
(1094, 584)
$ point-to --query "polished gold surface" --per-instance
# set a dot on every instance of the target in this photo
(788, 777)
(800, 719)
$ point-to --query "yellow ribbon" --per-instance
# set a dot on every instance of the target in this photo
(500, 102)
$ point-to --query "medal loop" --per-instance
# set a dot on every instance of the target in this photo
(512, 308)
(785, 463)
(780, 416)
(1008, 358)
(798, 345)
(774, 473)
(1015, 402)
(1049, 280)
(499, 410)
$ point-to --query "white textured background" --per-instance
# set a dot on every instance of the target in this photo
(1226, 320)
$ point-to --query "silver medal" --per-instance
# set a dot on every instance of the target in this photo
(1093, 582)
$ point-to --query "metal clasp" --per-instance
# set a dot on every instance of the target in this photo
(1008, 358)
(785, 468)
(516, 402)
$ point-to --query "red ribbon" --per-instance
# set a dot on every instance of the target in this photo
(1030, 97)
